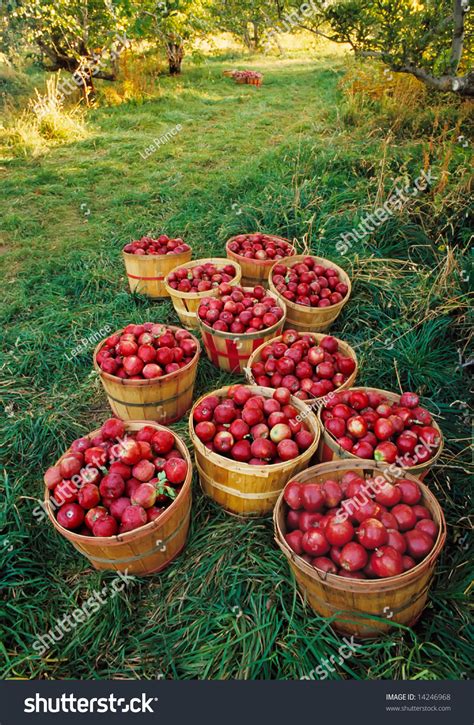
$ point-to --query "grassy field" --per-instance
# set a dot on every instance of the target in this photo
(304, 156)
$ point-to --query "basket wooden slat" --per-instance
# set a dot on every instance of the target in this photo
(255, 271)
(231, 352)
(330, 450)
(186, 303)
(165, 400)
(344, 348)
(146, 272)
(240, 488)
(353, 602)
(148, 549)
(311, 319)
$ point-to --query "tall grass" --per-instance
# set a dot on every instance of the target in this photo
(47, 121)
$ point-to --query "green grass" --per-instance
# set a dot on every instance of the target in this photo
(289, 159)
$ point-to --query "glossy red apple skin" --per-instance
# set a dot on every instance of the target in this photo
(312, 497)
(395, 433)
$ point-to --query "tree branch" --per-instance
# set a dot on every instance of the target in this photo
(319, 32)
(61, 61)
(409, 59)
(371, 54)
(435, 30)
(462, 85)
(102, 75)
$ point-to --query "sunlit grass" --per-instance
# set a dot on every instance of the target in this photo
(45, 122)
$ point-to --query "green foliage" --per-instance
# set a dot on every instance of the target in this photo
(171, 20)
(248, 20)
(13, 83)
(404, 34)
(69, 29)
(172, 23)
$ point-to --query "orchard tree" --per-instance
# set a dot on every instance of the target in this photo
(429, 39)
(81, 37)
(173, 24)
(248, 20)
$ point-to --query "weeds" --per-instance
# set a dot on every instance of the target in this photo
(44, 123)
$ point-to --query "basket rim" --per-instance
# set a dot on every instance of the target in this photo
(321, 260)
(207, 293)
(309, 401)
(248, 335)
(158, 257)
(259, 262)
(118, 539)
(361, 584)
(247, 468)
(144, 383)
(351, 457)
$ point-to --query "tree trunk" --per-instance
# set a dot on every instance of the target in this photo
(83, 71)
(256, 38)
(246, 38)
(88, 89)
(175, 53)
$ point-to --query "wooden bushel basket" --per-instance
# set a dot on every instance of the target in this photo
(148, 549)
(344, 348)
(146, 272)
(311, 319)
(186, 303)
(165, 400)
(330, 450)
(240, 488)
(351, 603)
(255, 271)
(231, 351)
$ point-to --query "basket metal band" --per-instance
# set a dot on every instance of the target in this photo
(235, 492)
(148, 279)
(355, 612)
(324, 576)
(155, 403)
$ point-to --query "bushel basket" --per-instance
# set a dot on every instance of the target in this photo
(145, 550)
(362, 607)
